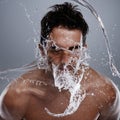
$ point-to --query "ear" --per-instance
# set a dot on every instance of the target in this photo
(41, 49)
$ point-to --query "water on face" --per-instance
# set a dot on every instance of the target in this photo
(67, 79)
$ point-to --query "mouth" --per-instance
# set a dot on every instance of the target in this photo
(63, 68)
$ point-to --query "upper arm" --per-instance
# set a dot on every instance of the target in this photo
(13, 105)
(111, 103)
(115, 108)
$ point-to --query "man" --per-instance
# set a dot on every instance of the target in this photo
(63, 87)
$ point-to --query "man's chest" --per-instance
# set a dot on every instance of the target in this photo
(37, 109)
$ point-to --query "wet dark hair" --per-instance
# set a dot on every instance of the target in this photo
(66, 15)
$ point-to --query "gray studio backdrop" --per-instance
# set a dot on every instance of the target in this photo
(20, 25)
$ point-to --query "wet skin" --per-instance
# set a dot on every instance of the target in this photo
(27, 97)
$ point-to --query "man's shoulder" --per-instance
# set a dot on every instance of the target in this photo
(107, 94)
(99, 79)
(18, 89)
(104, 88)
(14, 94)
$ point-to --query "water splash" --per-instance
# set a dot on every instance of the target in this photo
(70, 79)
(87, 5)
(66, 81)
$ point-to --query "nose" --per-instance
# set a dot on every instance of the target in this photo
(65, 57)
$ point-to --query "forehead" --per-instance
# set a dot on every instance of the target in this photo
(66, 38)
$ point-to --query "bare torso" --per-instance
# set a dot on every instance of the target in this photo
(28, 97)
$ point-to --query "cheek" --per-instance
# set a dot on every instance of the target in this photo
(54, 57)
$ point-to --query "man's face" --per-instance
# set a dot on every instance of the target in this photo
(64, 44)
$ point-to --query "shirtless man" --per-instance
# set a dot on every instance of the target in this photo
(45, 93)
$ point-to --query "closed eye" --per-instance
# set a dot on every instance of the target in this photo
(74, 47)
(55, 48)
